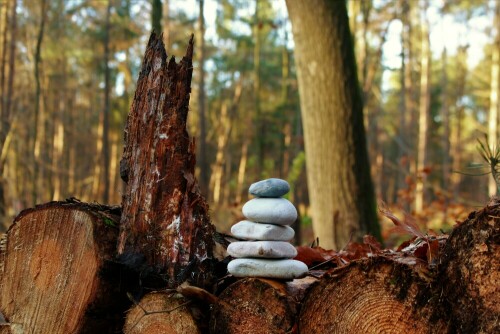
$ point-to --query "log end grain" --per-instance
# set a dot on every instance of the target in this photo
(370, 296)
(57, 270)
(167, 313)
(254, 305)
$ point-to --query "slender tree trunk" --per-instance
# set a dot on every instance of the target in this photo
(228, 114)
(456, 133)
(494, 91)
(6, 96)
(3, 59)
(404, 108)
(445, 114)
(259, 123)
(423, 122)
(39, 108)
(156, 13)
(241, 170)
(340, 186)
(287, 121)
(58, 148)
(106, 110)
(166, 24)
(204, 166)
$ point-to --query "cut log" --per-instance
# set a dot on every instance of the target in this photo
(57, 273)
(256, 305)
(376, 295)
(165, 223)
(469, 273)
(161, 313)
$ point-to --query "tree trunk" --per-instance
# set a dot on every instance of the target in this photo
(156, 13)
(106, 110)
(165, 222)
(456, 141)
(228, 114)
(445, 139)
(57, 273)
(337, 160)
(39, 108)
(423, 122)
(469, 273)
(204, 166)
(494, 102)
(377, 295)
(259, 122)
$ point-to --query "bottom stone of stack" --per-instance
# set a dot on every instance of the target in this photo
(280, 269)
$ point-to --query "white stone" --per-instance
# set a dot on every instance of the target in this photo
(270, 210)
(259, 231)
(265, 249)
(284, 269)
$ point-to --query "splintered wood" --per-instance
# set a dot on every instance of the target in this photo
(165, 223)
(56, 274)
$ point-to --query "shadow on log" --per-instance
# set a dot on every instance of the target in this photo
(165, 227)
(374, 295)
(57, 271)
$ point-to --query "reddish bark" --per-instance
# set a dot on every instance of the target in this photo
(165, 223)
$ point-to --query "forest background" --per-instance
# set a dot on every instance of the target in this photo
(426, 68)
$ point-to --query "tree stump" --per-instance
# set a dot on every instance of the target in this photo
(469, 273)
(374, 295)
(165, 223)
(256, 305)
(166, 313)
(57, 273)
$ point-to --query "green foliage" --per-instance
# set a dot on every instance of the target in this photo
(492, 157)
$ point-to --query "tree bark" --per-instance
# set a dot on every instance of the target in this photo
(57, 273)
(338, 172)
(165, 221)
(376, 295)
(156, 13)
(204, 166)
(106, 109)
(493, 185)
(469, 272)
(423, 122)
(39, 108)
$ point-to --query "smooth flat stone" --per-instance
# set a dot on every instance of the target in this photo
(270, 210)
(269, 188)
(259, 231)
(284, 269)
(265, 249)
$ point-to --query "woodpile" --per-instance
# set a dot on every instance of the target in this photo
(156, 265)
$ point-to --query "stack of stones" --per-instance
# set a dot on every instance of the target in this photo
(266, 251)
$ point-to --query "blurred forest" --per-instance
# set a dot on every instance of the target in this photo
(428, 71)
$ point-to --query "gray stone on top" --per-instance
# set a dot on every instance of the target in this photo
(269, 188)
(249, 230)
(262, 249)
(277, 269)
(270, 210)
